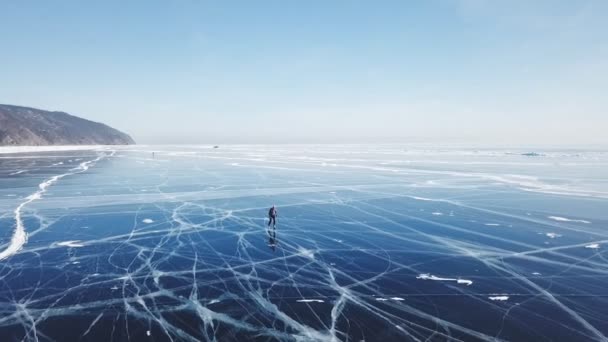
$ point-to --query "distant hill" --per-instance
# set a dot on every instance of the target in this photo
(30, 126)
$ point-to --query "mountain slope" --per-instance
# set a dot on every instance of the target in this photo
(30, 126)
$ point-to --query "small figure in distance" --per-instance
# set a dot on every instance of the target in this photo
(272, 217)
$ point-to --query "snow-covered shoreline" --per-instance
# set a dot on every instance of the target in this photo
(49, 148)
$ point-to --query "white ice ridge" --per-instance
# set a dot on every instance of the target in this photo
(71, 243)
(499, 298)
(564, 219)
(19, 237)
(427, 276)
(593, 246)
(310, 301)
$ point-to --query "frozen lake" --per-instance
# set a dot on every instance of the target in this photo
(374, 243)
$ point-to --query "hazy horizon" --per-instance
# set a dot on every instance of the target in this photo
(467, 71)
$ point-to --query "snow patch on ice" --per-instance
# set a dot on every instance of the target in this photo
(147, 220)
(553, 235)
(593, 246)
(427, 276)
(398, 299)
(71, 243)
(310, 301)
(308, 253)
(564, 219)
(422, 198)
(501, 298)
(464, 281)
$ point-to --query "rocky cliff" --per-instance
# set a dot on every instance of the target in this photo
(29, 126)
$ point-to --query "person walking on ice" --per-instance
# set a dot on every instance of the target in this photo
(272, 217)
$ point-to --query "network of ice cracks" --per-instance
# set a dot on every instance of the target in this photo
(373, 243)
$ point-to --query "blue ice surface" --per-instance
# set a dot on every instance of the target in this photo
(374, 243)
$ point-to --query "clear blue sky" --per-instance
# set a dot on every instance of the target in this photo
(315, 71)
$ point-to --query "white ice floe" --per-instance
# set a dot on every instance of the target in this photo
(397, 298)
(536, 273)
(493, 224)
(310, 301)
(501, 298)
(427, 276)
(553, 235)
(564, 219)
(71, 243)
(147, 220)
(436, 213)
(593, 246)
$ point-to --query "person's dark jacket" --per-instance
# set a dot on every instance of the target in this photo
(272, 212)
